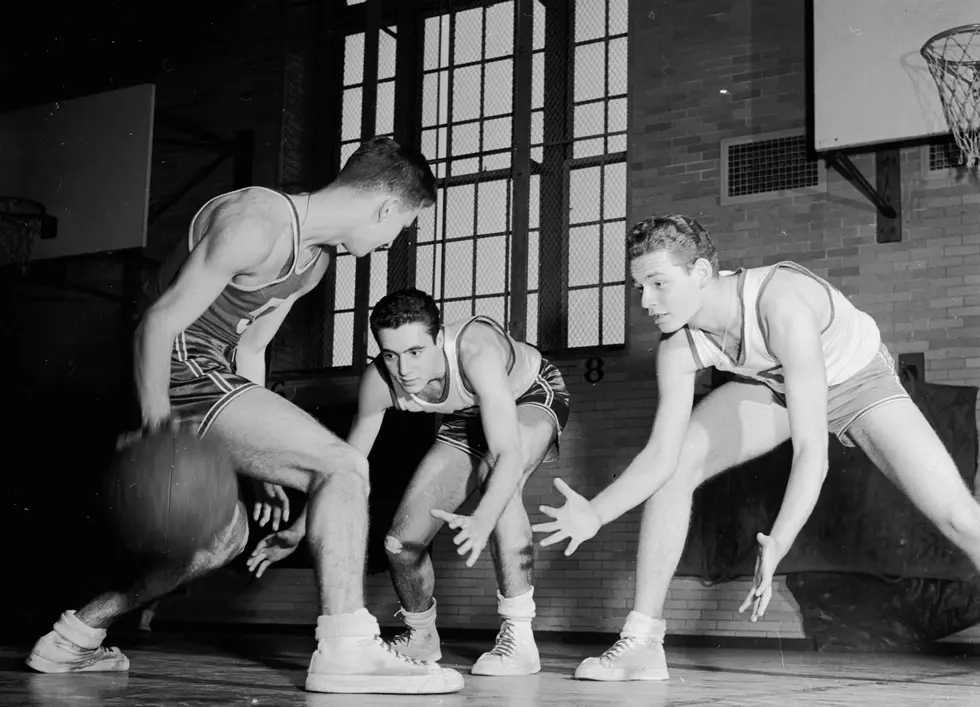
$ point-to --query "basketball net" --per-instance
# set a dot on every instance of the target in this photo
(953, 57)
(20, 224)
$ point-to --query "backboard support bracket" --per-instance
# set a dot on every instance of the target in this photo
(886, 195)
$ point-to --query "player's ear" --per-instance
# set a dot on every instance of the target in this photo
(389, 208)
(703, 271)
(440, 338)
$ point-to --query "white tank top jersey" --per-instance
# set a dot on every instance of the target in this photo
(457, 395)
(850, 340)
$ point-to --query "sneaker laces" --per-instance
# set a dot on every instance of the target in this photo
(620, 647)
(390, 648)
(404, 638)
(506, 644)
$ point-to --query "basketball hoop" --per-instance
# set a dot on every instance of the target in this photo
(953, 57)
(20, 223)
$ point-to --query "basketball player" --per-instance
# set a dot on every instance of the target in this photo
(504, 408)
(809, 362)
(200, 357)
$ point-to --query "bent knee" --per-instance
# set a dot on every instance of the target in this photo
(403, 552)
(344, 462)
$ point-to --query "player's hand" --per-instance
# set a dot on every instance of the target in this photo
(576, 520)
(272, 502)
(473, 535)
(128, 438)
(273, 548)
(765, 565)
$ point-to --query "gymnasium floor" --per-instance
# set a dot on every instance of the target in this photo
(269, 670)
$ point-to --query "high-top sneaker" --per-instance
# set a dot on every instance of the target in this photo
(74, 647)
(514, 652)
(351, 657)
(421, 640)
(637, 655)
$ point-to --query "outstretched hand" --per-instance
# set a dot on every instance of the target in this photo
(273, 548)
(765, 566)
(473, 535)
(576, 520)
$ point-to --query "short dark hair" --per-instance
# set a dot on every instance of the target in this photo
(408, 306)
(381, 164)
(683, 237)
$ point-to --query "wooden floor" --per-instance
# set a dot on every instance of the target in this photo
(269, 670)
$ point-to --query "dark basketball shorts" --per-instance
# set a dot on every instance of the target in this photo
(464, 430)
(203, 381)
(874, 385)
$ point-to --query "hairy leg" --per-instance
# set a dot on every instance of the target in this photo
(443, 480)
(512, 543)
(733, 424)
(101, 611)
(901, 443)
(272, 440)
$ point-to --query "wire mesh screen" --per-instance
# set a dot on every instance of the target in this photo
(345, 280)
(576, 206)
(597, 175)
(463, 255)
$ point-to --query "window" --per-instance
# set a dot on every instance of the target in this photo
(461, 60)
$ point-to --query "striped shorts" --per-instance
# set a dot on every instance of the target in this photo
(464, 429)
(203, 380)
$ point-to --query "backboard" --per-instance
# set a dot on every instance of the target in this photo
(870, 83)
(87, 161)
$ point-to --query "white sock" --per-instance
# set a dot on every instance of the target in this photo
(356, 624)
(422, 620)
(642, 626)
(520, 609)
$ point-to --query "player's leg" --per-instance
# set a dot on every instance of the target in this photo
(75, 643)
(512, 547)
(900, 441)
(735, 423)
(273, 440)
(444, 479)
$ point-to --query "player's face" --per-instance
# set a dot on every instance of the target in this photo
(671, 292)
(384, 226)
(411, 355)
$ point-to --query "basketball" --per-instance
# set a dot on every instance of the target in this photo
(169, 493)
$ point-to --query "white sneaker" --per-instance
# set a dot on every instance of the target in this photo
(54, 653)
(369, 665)
(630, 658)
(418, 643)
(514, 653)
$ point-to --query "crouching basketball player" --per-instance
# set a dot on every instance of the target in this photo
(200, 357)
(809, 363)
(504, 409)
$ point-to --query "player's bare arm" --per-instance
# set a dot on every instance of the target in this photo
(657, 462)
(793, 323)
(579, 519)
(483, 361)
(484, 357)
(232, 246)
(373, 399)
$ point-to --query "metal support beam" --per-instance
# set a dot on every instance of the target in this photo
(521, 165)
(844, 165)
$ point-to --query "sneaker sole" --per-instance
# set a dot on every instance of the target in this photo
(385, 684)
(623, 677)
(536, 668)
(43, 665)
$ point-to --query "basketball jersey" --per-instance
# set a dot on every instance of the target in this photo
(457, 396)
(219, 329)
(850, 340)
